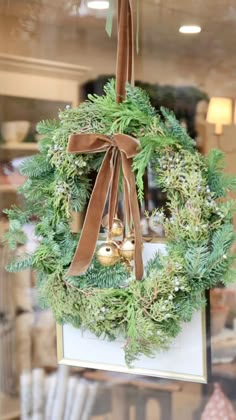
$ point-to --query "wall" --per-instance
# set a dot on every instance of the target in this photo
(93, 48)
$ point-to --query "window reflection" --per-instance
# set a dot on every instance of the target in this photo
(179, 71)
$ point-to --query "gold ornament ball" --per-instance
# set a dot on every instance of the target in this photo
(117, 227)
(108, 254)
(127, 247)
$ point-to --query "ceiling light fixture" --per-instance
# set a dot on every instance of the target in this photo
(98, 4)
(190, 29)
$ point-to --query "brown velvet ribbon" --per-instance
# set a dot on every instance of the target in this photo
(119, 152)
(125, 49)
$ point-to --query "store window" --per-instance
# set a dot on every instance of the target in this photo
(53, 55)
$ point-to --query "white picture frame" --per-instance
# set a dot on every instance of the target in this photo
(187, 359)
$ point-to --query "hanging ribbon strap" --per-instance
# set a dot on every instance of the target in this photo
(121, 148)
(125, 49)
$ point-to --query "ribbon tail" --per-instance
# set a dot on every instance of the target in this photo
(91, 227)
(126, 207)
(113, 202)
(134, 209)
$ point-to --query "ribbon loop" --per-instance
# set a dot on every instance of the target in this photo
(119, 152)
(88, 143)
(127, 144)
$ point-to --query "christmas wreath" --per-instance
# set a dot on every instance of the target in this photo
(107, 299)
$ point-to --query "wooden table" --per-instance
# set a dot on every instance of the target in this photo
(226, 370)
(129, 390)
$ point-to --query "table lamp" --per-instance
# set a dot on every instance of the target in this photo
(219, 113)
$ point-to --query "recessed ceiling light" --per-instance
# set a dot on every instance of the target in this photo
(98, 4)
(190, 29)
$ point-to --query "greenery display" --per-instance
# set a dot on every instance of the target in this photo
(108, 300)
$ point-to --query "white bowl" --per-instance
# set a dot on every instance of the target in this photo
(14, 131)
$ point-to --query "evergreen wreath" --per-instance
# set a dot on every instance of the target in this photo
(108, 301)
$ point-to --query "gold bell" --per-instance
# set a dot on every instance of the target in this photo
(117, 227)
(127, 247)
(108, 254)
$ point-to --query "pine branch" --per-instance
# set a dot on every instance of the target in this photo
(79, 193)
(218, 181)
(102, 277)
(20, 263)
(215, 160)
(35, 166)
(149, 144)
(227, 209)
(176, 130)
(47, 126)
(140, 98)
(223, 238)
(228, 182)
(154, 264)
(20, 215)
(196, 259)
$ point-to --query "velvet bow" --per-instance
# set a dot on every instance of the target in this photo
(119, 152)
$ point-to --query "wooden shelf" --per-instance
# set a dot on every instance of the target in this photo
(8, 188)
(10, 407)
(17, 150)
(28, 147)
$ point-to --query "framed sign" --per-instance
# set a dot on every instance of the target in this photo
(187, 358)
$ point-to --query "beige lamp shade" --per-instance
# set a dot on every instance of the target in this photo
(235, 112)
(219, 113)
